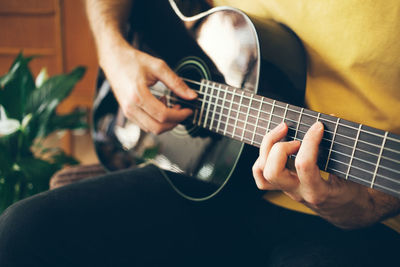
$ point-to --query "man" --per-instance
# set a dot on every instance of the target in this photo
(133, 217)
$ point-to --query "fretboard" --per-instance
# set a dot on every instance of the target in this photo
(352, 151)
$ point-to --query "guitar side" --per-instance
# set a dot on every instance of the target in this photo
(222, 45)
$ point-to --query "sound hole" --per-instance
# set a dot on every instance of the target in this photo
(193, 69)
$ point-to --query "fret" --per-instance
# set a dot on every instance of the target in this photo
(222, 110)
(270, 115)
(284, 114)
(392, 146)
(258, 116)
(229, 112)
(343, 146)
(379, 160)
(388, 174)
(202, 104)
(237, 114)
(298, 123)
(333, 140)
(246, 119)
(319, 115)
(209, 103)
(215, 108)
(352, 154)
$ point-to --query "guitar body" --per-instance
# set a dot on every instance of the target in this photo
(221, 45)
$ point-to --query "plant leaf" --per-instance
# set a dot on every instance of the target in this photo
(16, 86)
(72, 121)
(9, 147)
(5, 160)
(37, 171)
(53, 91)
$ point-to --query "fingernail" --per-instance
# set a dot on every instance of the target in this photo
(295, 142)
(191, 93)
(318, 125)
(280, 126)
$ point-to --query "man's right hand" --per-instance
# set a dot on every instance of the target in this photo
(130, 73)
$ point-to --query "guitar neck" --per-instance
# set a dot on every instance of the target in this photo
(352, 151)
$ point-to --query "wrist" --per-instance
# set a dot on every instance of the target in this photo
(111, 47)
(349, 209)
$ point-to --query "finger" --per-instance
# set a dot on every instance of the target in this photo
(275, 170)
(259, 178)
(174, 82)
(158, 111)
(147, 123)
(306, 160)
(270, 139)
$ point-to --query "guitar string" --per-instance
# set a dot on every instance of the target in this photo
(342, 162)
(304, 124)
(374, 184)
(329, 140)
(307, 125)
(336, 170)
(294, 138)
(335, 151)
(233, 92)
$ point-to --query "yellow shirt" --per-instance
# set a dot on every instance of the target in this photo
(353, 50)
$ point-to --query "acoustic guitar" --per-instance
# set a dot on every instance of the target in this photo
(243, 94)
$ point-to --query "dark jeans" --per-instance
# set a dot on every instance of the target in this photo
(134, 218)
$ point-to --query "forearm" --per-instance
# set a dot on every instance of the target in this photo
(107, 19)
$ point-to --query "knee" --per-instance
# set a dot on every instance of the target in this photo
(21, 227)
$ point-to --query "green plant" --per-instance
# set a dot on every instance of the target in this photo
(27, 116)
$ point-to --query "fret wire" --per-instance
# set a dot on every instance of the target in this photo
(215, 110)
(229, 113)
(348, 126)
(365, 181)
(237, 114)
(366, 172)
(333, 140)
(284, 114)
(222, 108)
(298, 123)
(209, 103)
(270, 115)
(352, 154)
(344, 163)
(247, 118)
(256, 125)
(202, 105)
(335, 151)
(337, 134)
(379, 160)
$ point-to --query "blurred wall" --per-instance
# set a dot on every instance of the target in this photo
(58, 32)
